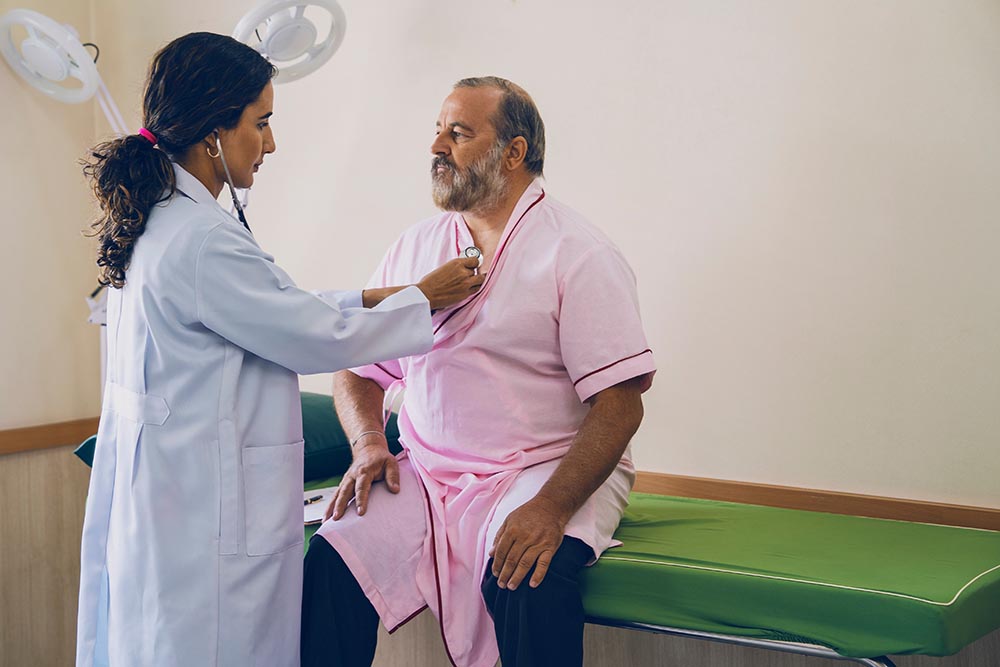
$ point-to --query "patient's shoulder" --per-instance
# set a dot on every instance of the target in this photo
(574, 236)
(428, 233)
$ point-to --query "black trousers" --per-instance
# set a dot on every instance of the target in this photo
(535, 627)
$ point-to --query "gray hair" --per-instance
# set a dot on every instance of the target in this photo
(516, 116)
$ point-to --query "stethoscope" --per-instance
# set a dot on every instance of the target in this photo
(229, 181)
(475, 253)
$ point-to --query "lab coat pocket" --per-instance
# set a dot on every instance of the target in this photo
(272, 485)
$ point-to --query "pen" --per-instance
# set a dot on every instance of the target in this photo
(310, 501)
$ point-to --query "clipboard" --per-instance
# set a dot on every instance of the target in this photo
(313, 512)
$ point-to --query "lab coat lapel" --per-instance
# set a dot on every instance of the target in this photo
(194, 189)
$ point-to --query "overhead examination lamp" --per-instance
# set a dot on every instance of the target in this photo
(283, 32)
(49, 56)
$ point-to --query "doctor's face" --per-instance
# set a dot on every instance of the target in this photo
(467, 170)
(246, 144)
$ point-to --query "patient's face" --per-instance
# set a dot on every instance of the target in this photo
(467, 171)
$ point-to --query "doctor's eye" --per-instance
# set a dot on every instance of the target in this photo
(261, 126)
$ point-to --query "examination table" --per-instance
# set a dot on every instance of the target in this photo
(829, 585)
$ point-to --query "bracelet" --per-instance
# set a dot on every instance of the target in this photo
(364, 433)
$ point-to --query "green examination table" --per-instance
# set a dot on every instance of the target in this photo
(811, 583)
(826, 585)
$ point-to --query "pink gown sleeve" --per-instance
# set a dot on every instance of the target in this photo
(600, 331)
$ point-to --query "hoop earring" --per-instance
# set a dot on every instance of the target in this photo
(210, 153)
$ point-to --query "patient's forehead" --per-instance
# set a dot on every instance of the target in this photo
(472, 107)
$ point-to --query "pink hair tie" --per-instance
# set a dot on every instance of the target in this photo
(147, 135)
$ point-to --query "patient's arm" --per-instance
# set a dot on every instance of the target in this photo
(453, 281)
(358, 402)
(534, 531)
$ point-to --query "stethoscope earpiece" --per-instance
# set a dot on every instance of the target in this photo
(229, 181)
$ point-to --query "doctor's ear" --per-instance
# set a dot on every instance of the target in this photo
(516, 151)
(211, 143)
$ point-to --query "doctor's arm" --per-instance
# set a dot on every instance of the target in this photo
(446, 285)
(358, 402)
(533, 532)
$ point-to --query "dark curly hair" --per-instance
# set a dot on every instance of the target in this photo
(196, 84)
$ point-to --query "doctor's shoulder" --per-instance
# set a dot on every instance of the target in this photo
(178, 229)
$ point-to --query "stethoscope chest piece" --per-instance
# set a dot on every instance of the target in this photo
(475, 253)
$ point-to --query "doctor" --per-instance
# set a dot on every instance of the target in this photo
(192, 541)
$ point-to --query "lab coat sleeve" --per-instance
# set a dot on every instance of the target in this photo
(388, 371)
(343, 299)
(242, 295)
(600, 332)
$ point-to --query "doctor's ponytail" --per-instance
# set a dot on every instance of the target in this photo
(129, 176)
(196, 84)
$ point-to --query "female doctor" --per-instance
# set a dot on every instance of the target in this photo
(192, 541)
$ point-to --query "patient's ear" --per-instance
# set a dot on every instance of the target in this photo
(517, 149)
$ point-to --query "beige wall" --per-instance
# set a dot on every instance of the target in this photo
(807, 192)
(49, 355)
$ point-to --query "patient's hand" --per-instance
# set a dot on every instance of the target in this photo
(529, 537)
(452, 282)
(372, 462)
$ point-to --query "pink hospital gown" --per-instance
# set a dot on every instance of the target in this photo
(490, 411)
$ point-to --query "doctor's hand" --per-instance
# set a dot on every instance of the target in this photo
(529, 537)
(452, 282)
(372, 462)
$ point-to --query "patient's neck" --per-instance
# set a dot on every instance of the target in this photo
(486, 225)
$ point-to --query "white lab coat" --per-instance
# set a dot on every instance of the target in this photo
(192, 541)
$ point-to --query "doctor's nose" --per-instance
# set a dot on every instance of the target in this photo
(269, 145)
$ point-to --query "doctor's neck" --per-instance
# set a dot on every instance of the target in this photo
(495, 219)
(201, 167)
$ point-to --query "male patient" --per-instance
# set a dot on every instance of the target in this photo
(515, 427)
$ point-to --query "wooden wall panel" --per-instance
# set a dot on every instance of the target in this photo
(818, 501)
(45, 436)
(418, 644)
(42, 495)
(43, 492)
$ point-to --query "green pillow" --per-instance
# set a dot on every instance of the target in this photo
(328, 452)
(86, 450)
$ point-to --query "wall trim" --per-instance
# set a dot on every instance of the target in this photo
(47, 435)
(790, 497)
(835, 502)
